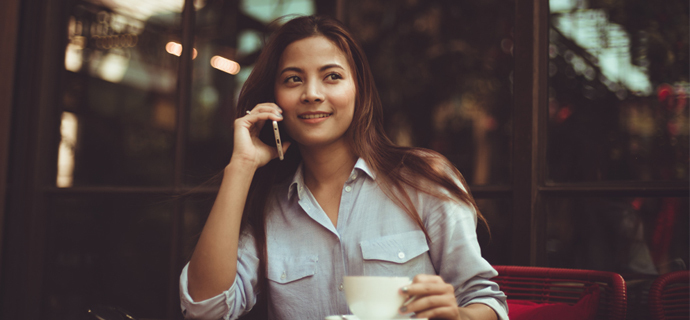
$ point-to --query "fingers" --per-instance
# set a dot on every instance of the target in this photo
(264, 111)
(430, 302)
(255, 118)
(434, 298)
(247, 144)
(448, 312)
(424, 284)
(427, 278)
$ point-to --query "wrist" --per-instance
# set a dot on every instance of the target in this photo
(241, 166)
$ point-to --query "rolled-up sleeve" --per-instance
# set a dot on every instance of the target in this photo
(456, 255)
(233, 302)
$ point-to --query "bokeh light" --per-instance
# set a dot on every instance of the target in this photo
(225, 65)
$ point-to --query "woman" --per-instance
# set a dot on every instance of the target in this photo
(345, 201)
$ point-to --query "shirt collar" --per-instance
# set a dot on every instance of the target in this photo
(297, 185)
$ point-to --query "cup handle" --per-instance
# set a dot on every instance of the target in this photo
(410, 299)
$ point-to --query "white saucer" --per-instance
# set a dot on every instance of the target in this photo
(354, 317)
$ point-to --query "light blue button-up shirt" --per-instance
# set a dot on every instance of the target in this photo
(308, 256)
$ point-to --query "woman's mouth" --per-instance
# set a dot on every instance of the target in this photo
(314, 116)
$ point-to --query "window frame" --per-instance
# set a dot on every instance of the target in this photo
(30, 167)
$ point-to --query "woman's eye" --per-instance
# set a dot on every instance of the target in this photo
(292, 79)
(333, 76)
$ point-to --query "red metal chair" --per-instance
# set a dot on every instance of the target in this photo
(554, 285)
(669, 296)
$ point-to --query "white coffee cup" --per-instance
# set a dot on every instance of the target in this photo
(374, 298)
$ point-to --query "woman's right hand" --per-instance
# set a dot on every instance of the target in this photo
(247, 147)
(213, 266)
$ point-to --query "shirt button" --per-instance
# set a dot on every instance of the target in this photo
(340, 287)
(348, 189)
(300, 188)
(354, 176)
(401, 255)
(283, 276)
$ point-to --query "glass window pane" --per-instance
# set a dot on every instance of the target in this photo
(109, 250)
(630, 236)
(495, 242)
(618, 91)
(230, 36)
(443, 70)
(118, 94)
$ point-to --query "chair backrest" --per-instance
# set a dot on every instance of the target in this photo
(550, 285)
(669, 296)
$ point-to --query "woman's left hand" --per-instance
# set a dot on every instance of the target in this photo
(434, 298)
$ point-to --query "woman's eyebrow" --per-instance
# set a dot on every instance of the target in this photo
(329, 66)
(321, 69)
(295, 69)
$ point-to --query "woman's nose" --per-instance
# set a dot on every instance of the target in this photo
(312, 93)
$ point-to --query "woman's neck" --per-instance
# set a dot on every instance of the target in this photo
(329, 166)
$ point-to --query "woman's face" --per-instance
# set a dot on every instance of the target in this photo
(315, 88)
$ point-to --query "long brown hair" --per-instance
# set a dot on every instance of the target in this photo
(396, 167)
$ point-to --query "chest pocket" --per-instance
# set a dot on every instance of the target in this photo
(287, 269)
(398, 248)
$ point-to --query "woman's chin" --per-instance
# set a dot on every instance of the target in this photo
(319, 142)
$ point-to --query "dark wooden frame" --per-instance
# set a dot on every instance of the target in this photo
(529, 130)
(9, 28)
(34, 124)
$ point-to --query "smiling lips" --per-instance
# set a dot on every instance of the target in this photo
(314, 115)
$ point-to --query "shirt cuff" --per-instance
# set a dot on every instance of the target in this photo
(212, 308)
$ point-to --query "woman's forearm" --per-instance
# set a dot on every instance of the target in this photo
(213, 265)
(477, 311)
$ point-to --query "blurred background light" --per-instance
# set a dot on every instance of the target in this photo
(249, 41)
(175, 48)
(142, 10)
(564, 5)
(268, 10)
(68, 142)
(113, 66)
(74, 57)
(225, 65)
(607, 42)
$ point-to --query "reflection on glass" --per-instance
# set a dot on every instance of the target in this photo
(121, 84)
(266, 11)
(443, 70)
(231, 37)
(618, 91)
(630, 236)
(609, 46)
(143, 10)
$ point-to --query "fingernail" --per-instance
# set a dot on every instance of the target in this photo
(404, 289)
(279, 115)
(403, 309)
